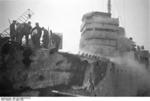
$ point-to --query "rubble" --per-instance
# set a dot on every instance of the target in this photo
(24, 68)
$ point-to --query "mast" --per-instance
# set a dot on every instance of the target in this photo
(109, 6)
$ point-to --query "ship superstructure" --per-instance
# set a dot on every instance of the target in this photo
(100, 34)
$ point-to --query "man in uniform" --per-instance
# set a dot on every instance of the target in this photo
(28, 29)
(13, 31)
(36, 35)
(45, 38)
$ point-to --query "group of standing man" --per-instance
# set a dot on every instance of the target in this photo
(19, 30)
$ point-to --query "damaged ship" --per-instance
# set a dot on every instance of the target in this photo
(105, 65)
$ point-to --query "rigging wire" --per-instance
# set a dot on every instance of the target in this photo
(120, 13)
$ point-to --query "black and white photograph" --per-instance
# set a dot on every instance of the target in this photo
(74, 48)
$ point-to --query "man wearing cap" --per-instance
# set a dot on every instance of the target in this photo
(36, 35)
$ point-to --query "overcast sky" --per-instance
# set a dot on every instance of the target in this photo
(64, 16)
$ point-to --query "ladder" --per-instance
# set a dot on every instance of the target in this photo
(23, 18)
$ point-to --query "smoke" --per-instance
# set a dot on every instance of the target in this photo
(138, 70)
(128, 60)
